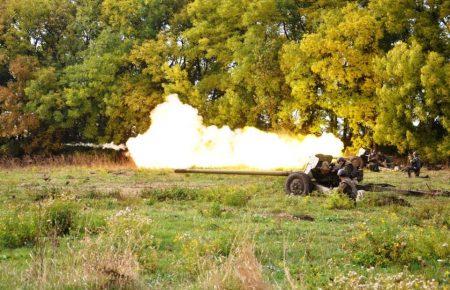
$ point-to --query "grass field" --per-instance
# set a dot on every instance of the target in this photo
(79, 227)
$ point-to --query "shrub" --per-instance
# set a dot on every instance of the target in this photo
(18, 230)
(129, 230)
(215, 210)
(432, 213)
(211, 194)
(391, 243)
(236, 198)
(339, 201)
(170, 194)
(61, 217)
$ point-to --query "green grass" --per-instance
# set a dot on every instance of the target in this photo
(129, 228)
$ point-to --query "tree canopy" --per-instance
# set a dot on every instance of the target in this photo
(373, 72)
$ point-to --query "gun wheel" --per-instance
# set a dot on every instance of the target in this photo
(298, 183)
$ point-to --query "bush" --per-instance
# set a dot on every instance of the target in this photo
(18, 230)
(170, 194)
(236, 198)
(61, 217)
(433, 214)
(127, 230)
(339, 201)
(215, 210)
(392, 243)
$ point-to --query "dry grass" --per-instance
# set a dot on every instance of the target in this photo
(97, 265)
(109, 266)
(241, 270)
(88, 159)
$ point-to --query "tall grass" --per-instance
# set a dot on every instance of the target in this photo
(100, 159)
(240, 270)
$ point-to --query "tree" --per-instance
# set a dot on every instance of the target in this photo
(16, 124)
(414, 102)
(331, 76)
(226, 63)
(424, 21)
(72, 104)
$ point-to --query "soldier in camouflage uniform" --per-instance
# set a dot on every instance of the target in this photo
(414, 165)
(349, 173)
(347, 185)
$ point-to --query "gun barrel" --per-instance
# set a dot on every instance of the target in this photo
(233, 172)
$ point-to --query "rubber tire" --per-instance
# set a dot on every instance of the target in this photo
(303, 182)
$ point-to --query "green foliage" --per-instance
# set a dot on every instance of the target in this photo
(413, 101)
(335, 81)
(18, 230)
(236, 198)
(215, 210)
(338, 200)
(150, 200)
(432, 214)
(176, 243)
(170, 194)
(61, 218)
(90, 223)
(390, 243)
(92, 70)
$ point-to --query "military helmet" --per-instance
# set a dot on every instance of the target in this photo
(342, 172)
(341, 159)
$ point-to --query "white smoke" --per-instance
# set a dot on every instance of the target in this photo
(177, 138)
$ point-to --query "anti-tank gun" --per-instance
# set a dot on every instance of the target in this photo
(320, 174)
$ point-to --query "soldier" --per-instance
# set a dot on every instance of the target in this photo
(347, 185)
(340, 163)
(357, 170)
(373, 160)
(325, 175)
(414, 165)
(353, 168)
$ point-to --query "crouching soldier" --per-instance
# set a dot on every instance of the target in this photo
(353, 168)
(347, 185)
(414, 165)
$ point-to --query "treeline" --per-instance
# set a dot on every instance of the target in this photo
(373, 72)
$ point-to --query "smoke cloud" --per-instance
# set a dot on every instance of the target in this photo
(177, 138)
